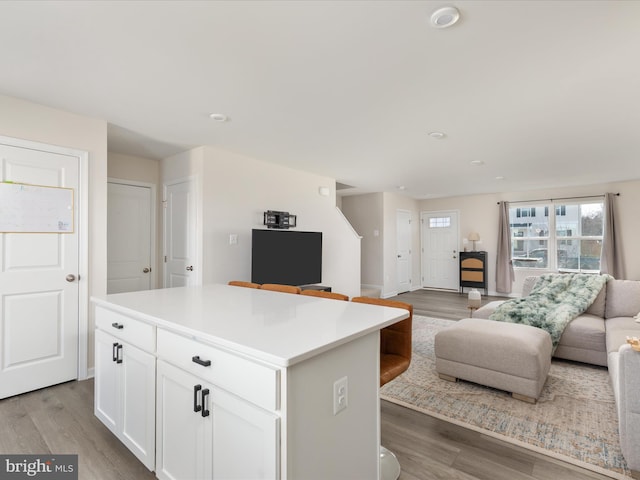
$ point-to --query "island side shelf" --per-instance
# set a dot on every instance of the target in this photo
(224, 412)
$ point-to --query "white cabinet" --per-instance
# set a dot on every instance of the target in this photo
(125, 393)
(263, 365)
(204, 432)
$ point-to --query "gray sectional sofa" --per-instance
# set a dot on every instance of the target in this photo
(598, 337)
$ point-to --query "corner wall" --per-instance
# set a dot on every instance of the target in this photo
(374, 217)
(365, 213)
(38, 123)
(236, 190)
(480, 213)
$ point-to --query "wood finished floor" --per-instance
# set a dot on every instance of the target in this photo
(60, 420)
(439, 303)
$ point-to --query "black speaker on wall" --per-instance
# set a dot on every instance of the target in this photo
(281, 220)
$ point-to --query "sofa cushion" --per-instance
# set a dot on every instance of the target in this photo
(618, 328)
(623, 298)
(585, 332)
(597, 308)
(528, 284)
(486, 310)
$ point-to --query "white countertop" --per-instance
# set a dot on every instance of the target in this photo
(279, 328)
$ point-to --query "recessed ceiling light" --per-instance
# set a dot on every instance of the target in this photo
(500, 177)
(438, 135)
(218, 117)
(476, 163)
(445, 17)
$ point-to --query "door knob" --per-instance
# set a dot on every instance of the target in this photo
(146, 270)
(190, 268)
(70, 278)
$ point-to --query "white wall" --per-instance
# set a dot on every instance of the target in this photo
(480, 213)
(365, 213)
(377, 212)
(30, 121)
(145, 170)
(236, 190)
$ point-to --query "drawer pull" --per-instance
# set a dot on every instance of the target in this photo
(205, 393)
(117, 325)
(196, 389)
(199, 361)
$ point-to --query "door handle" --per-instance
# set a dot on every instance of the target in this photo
(114, 355)
(205, 393)
(190, 268)
(196, 389)
(146, 270)
(70, 278)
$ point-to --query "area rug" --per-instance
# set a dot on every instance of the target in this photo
(575, 419)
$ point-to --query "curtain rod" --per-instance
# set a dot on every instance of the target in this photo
(563, 198)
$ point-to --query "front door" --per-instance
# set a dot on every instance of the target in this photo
(129, 238)
(39, 293)
(440, 250)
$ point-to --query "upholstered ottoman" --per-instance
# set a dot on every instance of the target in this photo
(507, 356)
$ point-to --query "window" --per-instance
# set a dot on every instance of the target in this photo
(439, 222)
(565, 237)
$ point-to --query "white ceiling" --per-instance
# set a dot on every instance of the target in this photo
(545, 93)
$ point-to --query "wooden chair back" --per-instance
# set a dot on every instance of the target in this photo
(276, 287)
(239, 283)
(395, 340)
(323, 294)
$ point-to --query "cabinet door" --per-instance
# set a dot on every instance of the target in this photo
(106, 385)
(183, 436)
(138, 420)
(125, 394)
(245, 439)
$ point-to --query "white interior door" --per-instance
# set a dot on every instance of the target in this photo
(180, 234)
(440, 250)
(129, 238)
(39, 274)
(403, 248)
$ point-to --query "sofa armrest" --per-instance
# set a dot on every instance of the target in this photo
(486, 310)
(628, 388)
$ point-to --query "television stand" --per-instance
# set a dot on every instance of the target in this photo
(315, 287)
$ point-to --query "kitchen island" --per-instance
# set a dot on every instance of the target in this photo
(228, 382)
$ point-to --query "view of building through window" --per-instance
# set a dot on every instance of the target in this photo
(557, 237)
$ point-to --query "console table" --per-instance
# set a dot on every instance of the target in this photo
(473, 270)
(227, 382)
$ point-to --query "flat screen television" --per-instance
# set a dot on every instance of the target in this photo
(286, 257)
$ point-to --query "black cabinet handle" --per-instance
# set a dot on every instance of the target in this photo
(199, 361)
(205, 412)
(117, 325)
(119, 353)
(113, 351)
(196, 389)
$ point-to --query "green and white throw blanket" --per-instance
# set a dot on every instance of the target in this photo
(554, 301)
